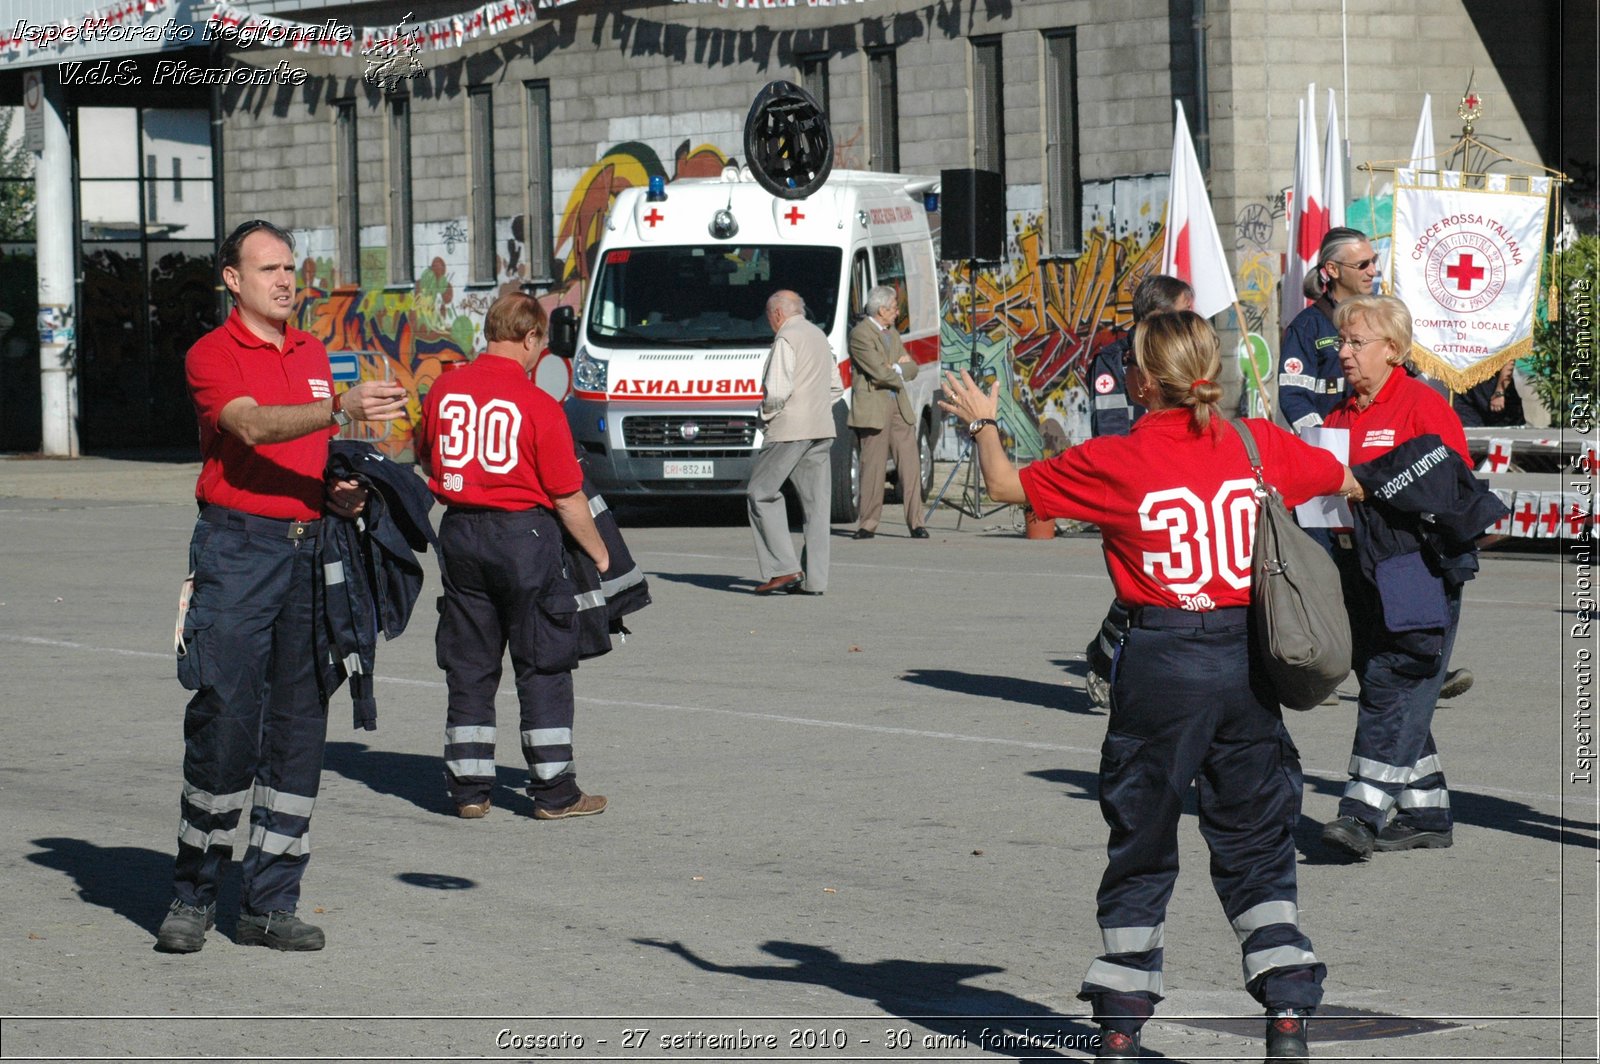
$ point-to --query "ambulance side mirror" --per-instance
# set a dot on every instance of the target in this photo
(563, 332)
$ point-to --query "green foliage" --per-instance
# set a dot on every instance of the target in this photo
(16, 179)
(1562, 364)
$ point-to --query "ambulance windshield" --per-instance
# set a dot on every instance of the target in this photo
(713, 296)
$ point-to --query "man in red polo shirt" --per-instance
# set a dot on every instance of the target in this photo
(255, 728)
(499, 455)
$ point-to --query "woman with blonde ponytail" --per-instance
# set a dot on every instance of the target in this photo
(1176, 508)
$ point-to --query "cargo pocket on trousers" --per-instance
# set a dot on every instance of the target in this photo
(1125, 780)
(555, 631)
(193, 648)
(443, 634)
(1294, 780)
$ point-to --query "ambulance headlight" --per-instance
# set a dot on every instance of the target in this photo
(589, 374)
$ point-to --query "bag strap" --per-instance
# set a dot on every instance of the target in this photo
(1250, 449)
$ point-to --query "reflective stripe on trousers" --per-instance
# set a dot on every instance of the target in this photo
(1184, 711)
(1394, 764)
(255, 728)
(499, 571)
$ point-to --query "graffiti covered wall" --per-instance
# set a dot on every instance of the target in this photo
(413, 336)
(1032, 320)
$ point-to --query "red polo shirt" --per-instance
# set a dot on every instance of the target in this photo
(281, 480)
(1175, 506)
(1403, 409)
(495, 440)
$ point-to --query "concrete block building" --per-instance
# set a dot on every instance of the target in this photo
(488, 160)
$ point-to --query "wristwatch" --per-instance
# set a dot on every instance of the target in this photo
(340, 418)
(974, 426)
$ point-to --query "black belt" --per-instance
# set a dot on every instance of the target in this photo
(1203, 620)
(266, 526)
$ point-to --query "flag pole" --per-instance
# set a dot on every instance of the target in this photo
(1261, 389)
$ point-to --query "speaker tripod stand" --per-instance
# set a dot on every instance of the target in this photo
(970, 502)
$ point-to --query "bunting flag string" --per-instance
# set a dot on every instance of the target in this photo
(131, 22)
(122, 22)
(754, 4)
(491, 19)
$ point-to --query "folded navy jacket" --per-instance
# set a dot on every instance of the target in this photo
(1415, 533)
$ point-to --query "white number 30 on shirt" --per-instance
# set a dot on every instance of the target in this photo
(1203, 540)
(487, 434)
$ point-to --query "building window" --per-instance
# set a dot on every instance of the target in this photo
(988, 107)
(401, 268)
(539, 221)
(347, 212)
(480, 222)
(177, 179)
(151, 199)
(16, 189)
(883, 110)
(814, 78)
(1063, 206)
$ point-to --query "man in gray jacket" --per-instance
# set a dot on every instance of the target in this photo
(801, 385)
(881, 414)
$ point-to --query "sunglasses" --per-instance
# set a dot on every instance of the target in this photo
(1363, 264)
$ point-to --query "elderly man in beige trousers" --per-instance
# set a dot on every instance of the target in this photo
(881, 413)
(800, 386)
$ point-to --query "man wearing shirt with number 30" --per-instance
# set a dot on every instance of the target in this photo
(499, 455)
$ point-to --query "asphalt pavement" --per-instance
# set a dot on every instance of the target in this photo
(855, 827)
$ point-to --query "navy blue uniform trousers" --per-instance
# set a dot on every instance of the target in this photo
(505, 585)
(255, 729)
(1184, 708)
(1394, 764)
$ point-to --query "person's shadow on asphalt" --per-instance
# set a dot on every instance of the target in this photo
(418, 778)
(1006, 688)
(915, 991)
(1466, 808)
(131, 881)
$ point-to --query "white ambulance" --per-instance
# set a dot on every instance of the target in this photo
(669, 352)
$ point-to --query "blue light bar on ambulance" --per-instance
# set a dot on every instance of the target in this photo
(658, 189)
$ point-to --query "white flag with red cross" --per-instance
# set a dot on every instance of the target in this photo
(1498, 459)
(1577, 515)
(1552, 511)
(1192, 250)
(1525, 513)
(1503, 527)
(1308, 213)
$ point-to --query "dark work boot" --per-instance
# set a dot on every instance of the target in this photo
(184, 929)
(1457, 682)
(1350, 835)
(280, 930)
(1399, 835)
(1114, 1045)
(1286, 1037)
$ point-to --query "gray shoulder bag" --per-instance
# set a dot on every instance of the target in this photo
(1297, 610)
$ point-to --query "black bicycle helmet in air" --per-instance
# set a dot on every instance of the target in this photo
(787, 142)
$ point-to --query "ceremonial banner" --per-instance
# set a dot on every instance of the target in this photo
(1466, 262)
